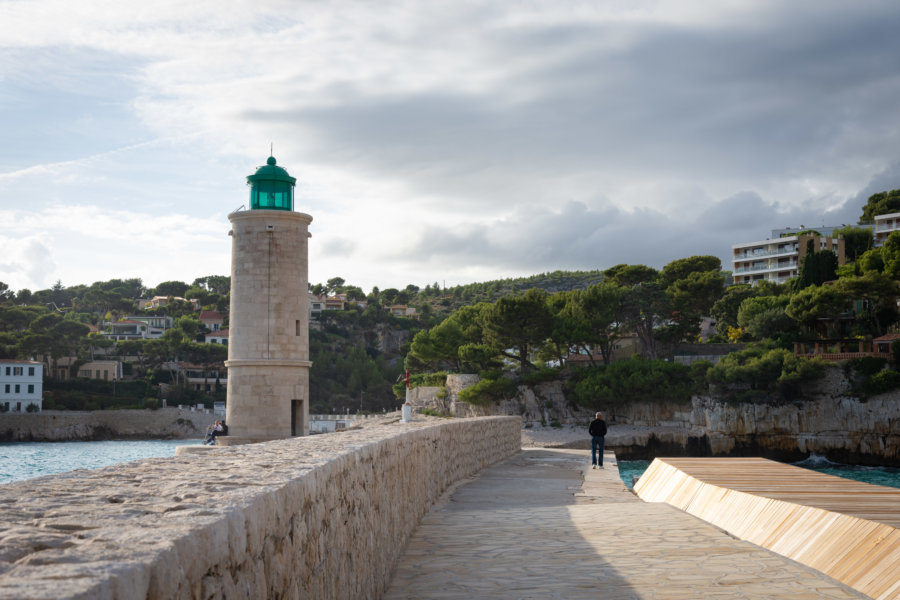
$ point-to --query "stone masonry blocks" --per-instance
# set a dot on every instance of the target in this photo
(269, 324)
(317, 517)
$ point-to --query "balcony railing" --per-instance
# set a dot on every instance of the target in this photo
(766, 267)
(758, 253)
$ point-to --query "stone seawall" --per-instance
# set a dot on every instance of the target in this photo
(315, 517)
(63, 426)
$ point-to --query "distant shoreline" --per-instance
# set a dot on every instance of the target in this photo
(65, 426)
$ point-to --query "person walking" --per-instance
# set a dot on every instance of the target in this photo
(597, 430)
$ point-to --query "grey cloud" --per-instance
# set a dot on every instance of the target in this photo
(691, 103)
(744, 210)
(575, 237)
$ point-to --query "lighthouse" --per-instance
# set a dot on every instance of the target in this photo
(268, 347)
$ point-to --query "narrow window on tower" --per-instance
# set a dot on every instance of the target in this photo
(296, 327)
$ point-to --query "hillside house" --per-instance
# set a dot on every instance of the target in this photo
(402, 310)
(104, 370)
(217, 337)
(160, 301)
(21, 384)
(212, 319)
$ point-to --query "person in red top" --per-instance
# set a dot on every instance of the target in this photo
(597, 430)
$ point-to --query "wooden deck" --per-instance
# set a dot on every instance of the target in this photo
(845, 529)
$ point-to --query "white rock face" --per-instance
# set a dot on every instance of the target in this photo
(314, 517)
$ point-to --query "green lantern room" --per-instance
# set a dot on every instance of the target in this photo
(271, 188)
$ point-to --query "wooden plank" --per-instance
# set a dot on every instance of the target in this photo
(846, 529)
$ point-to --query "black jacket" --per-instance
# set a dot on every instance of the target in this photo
(598, 427)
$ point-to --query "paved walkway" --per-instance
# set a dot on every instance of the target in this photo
(542, 526)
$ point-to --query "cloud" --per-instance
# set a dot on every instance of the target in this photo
(26, 260)
(75, 243)
(476, 139)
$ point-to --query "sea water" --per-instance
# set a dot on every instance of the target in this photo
(24, 460)
(889, 476)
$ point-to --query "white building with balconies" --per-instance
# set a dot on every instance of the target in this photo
(778, 260)
(885, 225)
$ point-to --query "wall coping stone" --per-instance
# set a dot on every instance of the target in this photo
(323, 516)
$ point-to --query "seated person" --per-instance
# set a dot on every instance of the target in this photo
(211, 432)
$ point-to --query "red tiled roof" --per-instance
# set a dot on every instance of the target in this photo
(889, 337)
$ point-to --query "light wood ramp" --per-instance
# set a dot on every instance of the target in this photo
(846, 529)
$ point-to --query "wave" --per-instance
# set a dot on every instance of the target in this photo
(816, 461)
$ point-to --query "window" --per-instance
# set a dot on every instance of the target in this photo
(98, 373)
(30, 388)
(18, 388)
(84, 373)
(7, 370)
(17, 370)
(296, 327)
(7, 388)
(31, 371)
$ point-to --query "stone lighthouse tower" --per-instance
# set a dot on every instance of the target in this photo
(268, 347)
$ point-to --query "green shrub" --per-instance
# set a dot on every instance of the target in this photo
(487, 391)
(437, 379)
(32, 407)
(633, 380)
(556, 424)
(543, 375)
(761, 372)
(699, 370)
(867, 366)
(883, 381)
(431, 412)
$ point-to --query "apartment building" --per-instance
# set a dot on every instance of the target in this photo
(778, 259)
(21, 384)
(885, 225)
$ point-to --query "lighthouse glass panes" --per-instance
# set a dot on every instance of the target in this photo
(272, 195)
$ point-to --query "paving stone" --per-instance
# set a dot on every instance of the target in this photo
(542, 524)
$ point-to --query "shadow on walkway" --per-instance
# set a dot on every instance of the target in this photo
(508, 533)
(541, 525)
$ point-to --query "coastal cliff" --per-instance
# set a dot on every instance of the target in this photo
(830, 422)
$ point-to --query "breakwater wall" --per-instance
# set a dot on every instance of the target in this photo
(64, 426)
(315, 517)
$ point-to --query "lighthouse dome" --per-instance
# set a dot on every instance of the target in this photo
(271, 188)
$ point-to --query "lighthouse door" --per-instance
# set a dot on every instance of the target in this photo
(298, 427)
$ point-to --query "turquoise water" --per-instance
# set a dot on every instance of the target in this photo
(630, 468)
(889, 476)
(24, 460)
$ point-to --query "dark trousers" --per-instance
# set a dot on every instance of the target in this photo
(597, 442)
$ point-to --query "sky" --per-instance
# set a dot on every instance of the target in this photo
(448, 142)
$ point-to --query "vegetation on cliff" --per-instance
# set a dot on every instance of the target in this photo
(514, 331)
